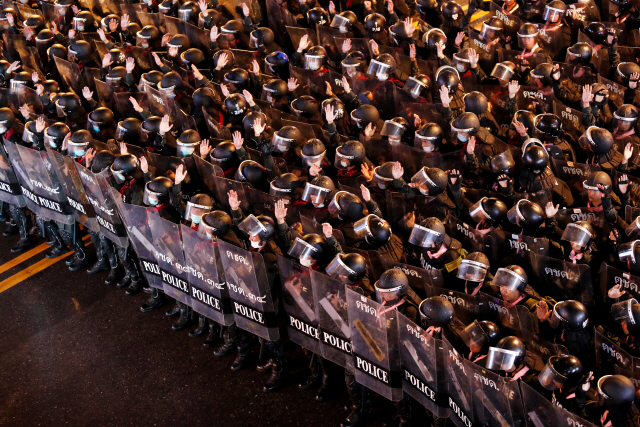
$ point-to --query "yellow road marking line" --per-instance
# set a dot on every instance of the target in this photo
(34, 269)
(25, 256)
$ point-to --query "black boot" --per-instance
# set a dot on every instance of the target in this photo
(10, 230)
(265, 366)
(22, 245)
(278, 368)
(125, 281)
(202, 328)
(314, 377)
(80, 261)
(173, 312)
(135, 287)
(404, 408)
(185, 318)
(157, 300)
(214, 334)
(75, 241)
(20, 219)
(59, 248)
(101, 265)
(356, 395)
(242, 359)
(112, 277)
(326, 391)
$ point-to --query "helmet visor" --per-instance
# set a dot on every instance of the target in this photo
(251, 226)
(500, 359)
(281, 144)
(94, 126)
(361, 228)
(195, 211)
(315, 194)
(27, 135)
(501, 72)
(550, 379)
(477, 212)
(307, 161)
(474, 337)
(150, 198)
(551, 14)
(78, 24)
(392, 128)
(425, 237)
(341, 23)
(185, 150)
(302, 250)
(143, 42)
(472, 271)
(343, 162)
(334, 206)
(427, 143)
(514, 215)
(313, 62)
(280, 192)
(379, 70)
(556, 320)
(489, 32)
(118, 176)
(76, 150)
(575, 234)
(381, 182)
(414, 87)
(349, 69)
(632, 231)
(509, 279)
(622, 311)
(339, 270)
(527, 41)
(16, 85)
(120, 131)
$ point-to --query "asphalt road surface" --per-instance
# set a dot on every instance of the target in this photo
(74, 351)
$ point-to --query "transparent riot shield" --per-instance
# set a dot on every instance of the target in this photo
(206, 171)
(174, 25)
(562, 280)
(540, 412)
(616, 91)
(107, 216)
(471, 239)
(70, 75)
(543, 97)
(515, 247)
(90, 76)
(25, 95)
(155, 19)
(399, 206)
(574, 174)
(459, 385)
(421, 356)
(157, 103)
(611, 276)
(215, 129)
(199, 37)
(595, 217)
(160, 165)
(485, 49)
(170, 257)
(409, 157)
(10, 190)
(467, 307)
(610, 354)
(209, 293)
(420, 279)
(105, 94)
(26, 188)
(222, 186)
(249, 290)
(135, 220)
(299, 305)
(67, 175)
(448, 161)
(551, 39)
(53, 203)
(511, 319)
(512, 23)
(374, 335)
(330, 300)
(124, 106)
(571, 119)
(496, 400)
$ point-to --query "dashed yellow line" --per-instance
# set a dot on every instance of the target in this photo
(33, 269)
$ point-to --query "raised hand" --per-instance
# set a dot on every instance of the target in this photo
(248, 97)
(520, 128)
(367, 171)
(124, 22)
(238, 140)
(471, 146)
(623, 184)
(346, 46)
(397, 171)
(328, 90)
(408, 27)
(445, 97)
(135, 104)
(628, 151)
(551, 210)
(130, 64)
(88, 94)
(292, 84)
(304, 43)
(205, 148)
(616, 292)
(255, 67)
(106, 60)
(224, 90)
(181, 173)
(144, 165)
(259, 127)
(280, 211)
(165, 126)
(123, 148)
(214, 33)
(156, 58)
(542, 311)
(196, 73)
(514, 88)
(329, 113)
(366, 194)
(89, 155)
(459, 38)
(327, 230)
(587, 95)
(345, 85)
(40, 124)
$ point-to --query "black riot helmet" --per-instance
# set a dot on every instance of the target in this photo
(461, 60)
(504, 71)
(224, 155)
(57, 51)
(373, 229)
(543, 73)
(479, 335)
(179, 41)
(398, 32)
(626, 70)
(580, 53)
(527, 118)
(188, 143)
(512, 277)
(448, 76)
(616, 391)
(348, 268)
(274, 89)
(337, 104)
(188, 11)
(317, 16)
(198, 205)
(147, 37)
(418, 85)
(125, 166)
(312, 152)
(344, 21)
(79, 143)
(230, 59)
(215, 224)
(452, 11)
(204, 97)
(625, 118)
(597, 32)
(191, 56)
(395, 128)
(433, 38)
(382, 67)
(507, 355)
(262, 226)
(286, 185)
(430, 181)
(365, 114)
(492, 28)
(157, 191)
(569, 314)
(353, 62)
(81, 50)
(318, 191)
(250, 119)
(429, 234)
(150, 128)
(235, 104)
(104, 22)
(375, 23)
(554, 11)
(287, 137)
(309, 249)
(151, 79)
(488, 209)
(252, 172)
(237, 79)
(34, 23)
(347, 205)
(548, 125)
(436, 312)
(67, 103)
(305, 106)
(598, 139)
(129, 130)
(170, 83)
(392, 285)
(466, 123)
(596, 178)
(349, 154)
(100, 119)
(102, 161)
(534, 156)
(7, 119)
(476, 102)
(426, 6)
(564, 371)
(278, 62)
(429, 137)
(526, 214)
(116, 76)
(44, 40)
(55, 134)
(473, 267)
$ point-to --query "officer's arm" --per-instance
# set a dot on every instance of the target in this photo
(373, 208)
(400, 186)
(237, 216)
(334, 245)
(588, 119)
(283, 234)
(176, 199)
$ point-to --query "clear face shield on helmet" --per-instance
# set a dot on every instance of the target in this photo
(143, 42)
(500, 359)
(27, 135)
(389, 295)
(150, 198)
(422, 181)
(391, 128)
(251, 226)
(379, 70)
(509, 279)
(281, 144)
(303, 251)
(339, 270)
(186, 150)
(77, 150)
(341, 23)
(343, 162)
(622, 311)
(626, 251)
(474, 337)
(49, 141)
(120, 131)
(477, 212)
(553, 15)
(550, 378)
(93, 126)
(361, 228)
(502, 72)
(425, 237)
(380, 181)
(632, 231)
(428, 144)
(194, 212)
(414, 87)
(313, 62)
(315, 194)
(472, 271)
(267, 94)
(78, 24)
(462, 65)
(489, 32)
(527, 41)
(350, 69)
(576, 235)
(334, 205)
(308, 161)
(280, 192)
(16, 85)
(514, 215)
(555, 319)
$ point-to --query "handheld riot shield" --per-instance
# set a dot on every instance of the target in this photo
(170, 257)
(572, 173)
(249, 290)
(562, 280)
(540, 412)
(376, 356)
(459, 385)
(299, 305)
(49, 193)
(209, 293)
(67, 174)
(422, 367)
(10, 190)
(26, 188)
(70, 75)
(611, 276)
